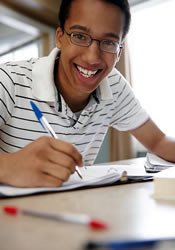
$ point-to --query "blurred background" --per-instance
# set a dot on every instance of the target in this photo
(27, 29)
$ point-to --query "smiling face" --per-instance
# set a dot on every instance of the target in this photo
(81, 69)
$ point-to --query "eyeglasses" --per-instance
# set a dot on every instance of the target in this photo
(85, 40)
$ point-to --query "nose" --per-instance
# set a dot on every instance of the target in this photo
(92, 54)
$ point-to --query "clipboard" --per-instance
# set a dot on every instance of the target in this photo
(93, 176)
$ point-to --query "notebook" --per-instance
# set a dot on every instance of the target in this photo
(164, 184)
(155, 164)
(93, 176)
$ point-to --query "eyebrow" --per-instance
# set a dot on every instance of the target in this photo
(79, 27)
(113, 35)
(85, 29)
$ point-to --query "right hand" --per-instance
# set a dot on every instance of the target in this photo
(46, 162)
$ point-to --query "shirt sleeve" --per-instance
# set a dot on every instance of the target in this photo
(128, 113)
(7, 94)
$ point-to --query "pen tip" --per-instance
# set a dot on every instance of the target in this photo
(94, 224)
(78, 172)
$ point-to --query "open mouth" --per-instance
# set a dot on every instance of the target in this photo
(87, 73)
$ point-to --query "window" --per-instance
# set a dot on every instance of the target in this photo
(152, 51)
(23, 53)
(22, 37)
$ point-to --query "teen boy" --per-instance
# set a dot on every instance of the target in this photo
(81, 94)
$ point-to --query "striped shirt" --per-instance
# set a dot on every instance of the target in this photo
(113, 104)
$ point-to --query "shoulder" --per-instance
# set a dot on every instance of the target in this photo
(115, 77)
(117, 82)
(17, 72)
(16, 67)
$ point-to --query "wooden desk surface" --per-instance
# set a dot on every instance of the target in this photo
(129, 209)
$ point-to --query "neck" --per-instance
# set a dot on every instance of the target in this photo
(75, 103)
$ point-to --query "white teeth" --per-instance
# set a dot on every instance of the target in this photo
(85, 72)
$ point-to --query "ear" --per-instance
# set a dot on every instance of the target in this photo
(59, 36)
(119, 53)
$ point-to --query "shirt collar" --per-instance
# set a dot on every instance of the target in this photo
(43, 85)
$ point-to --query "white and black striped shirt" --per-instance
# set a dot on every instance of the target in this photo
(113, 105)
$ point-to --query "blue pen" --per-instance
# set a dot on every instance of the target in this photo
(124, 245)
(44, 123)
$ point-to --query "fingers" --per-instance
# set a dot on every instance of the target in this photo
(67, 149)
(57, 171)
(57, 158)
(61, 159)
(45, 180)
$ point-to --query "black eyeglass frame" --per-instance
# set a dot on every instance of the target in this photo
(91, 40)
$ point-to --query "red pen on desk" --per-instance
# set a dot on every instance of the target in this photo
(69, 218)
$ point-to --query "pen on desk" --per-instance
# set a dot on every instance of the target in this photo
(121, 245)
(126, 244)
(68, 218)
(44, 123)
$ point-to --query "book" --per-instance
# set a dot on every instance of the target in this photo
(155, 164)
(93, 176)
(164, 184)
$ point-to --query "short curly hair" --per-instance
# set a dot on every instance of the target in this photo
(122, 4)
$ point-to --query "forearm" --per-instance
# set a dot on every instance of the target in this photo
(166, 148)
(155, 140)
(3, 165)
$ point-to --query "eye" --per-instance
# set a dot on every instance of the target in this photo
(110, 43)
(79, 36)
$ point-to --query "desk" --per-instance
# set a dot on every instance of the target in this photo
(129, 209)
